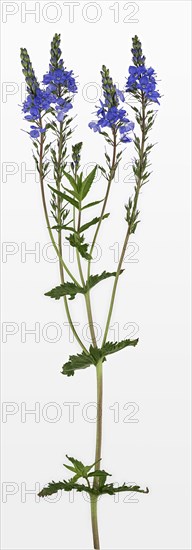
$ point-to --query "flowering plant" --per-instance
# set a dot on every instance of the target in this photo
(47, 108)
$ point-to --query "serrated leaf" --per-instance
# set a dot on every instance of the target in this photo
(71, 289)
(76, 362)
(113, 347)
(77, 241)
(65, 289)
(83, 360)
(86, 184)
(111, 490)
(95, 279)
(108, 489)
(64, 485)
(92, 222)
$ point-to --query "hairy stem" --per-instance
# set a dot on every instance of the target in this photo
(128, 233)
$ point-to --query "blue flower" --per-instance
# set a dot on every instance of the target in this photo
(36, 131)
(140, 78)
(143, 79)
(63, 111)
(58, 84)
(109, 113)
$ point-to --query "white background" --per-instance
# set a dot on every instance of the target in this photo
(153, 293)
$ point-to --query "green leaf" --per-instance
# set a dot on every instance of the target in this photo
(91, 204)
(73, 193)
(71, 289)
(98, 473)
(95, 279)
(65, 289)
(108, 489)
(70, 179)
(113, 347)
(64, 485)
(86, 184)
(92, 222)
(65, 196)
(79, 468)
(76, 362)
(83, 360)
(111, 490)
(101, 474)
(77, 241)
(78, 465)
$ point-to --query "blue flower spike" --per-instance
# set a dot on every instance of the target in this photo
(140, 78)
(110, 114)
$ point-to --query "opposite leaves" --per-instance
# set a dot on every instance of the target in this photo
(82, 471)
(83, 360)
(71, 289)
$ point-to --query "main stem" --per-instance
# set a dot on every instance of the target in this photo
(99, 373)
(94, 499)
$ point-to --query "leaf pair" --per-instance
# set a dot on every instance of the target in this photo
(82, 471)
(84, 360)
(109, 489)
(71, 289)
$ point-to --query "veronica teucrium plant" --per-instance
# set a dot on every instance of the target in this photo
(69, 214)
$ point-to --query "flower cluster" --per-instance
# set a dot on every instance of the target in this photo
(58, 83)
(110, 114)
(141, 78)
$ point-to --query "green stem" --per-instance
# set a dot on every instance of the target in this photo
(46, 213)
(60, 250)
(94, 522)
(87, 296)
(128, 233)
(99, 375)
(111, 176)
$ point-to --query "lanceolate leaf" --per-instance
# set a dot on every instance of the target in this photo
(91, 204)
(65, 197)
(70, 179)
(86, 184)
(92, 222)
